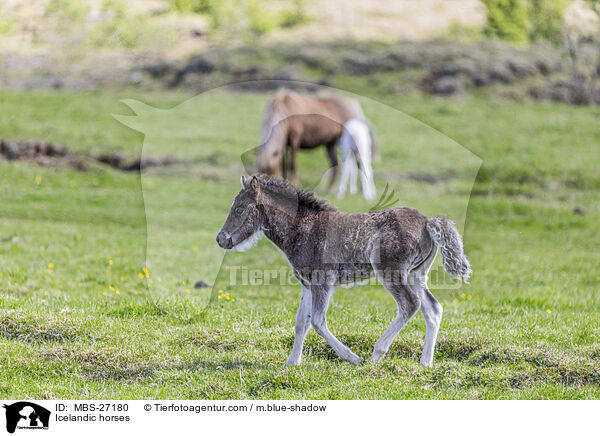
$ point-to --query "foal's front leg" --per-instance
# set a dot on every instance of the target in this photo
(320, 303)
(302, 326)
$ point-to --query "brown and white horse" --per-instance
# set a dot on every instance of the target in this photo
(292, 121)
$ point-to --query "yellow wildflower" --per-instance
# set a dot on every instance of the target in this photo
(455, 300)
(549, 311)
(468, 297)
(463, 295)
(187, 291)
(104, 293)
(111, 288)
(38, 180)
(110, 262)
(141, 275)
(50, 265)
(117, 292)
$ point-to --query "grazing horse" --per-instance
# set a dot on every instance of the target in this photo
(327, 248)
(292, 121)
(356, 156)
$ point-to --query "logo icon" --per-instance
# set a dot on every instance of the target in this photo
(26, 415)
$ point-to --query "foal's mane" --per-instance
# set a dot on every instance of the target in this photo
(287, 190)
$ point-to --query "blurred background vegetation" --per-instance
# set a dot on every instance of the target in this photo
(520, 49)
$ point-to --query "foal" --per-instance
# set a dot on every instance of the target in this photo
(327, 248)
(356, 156)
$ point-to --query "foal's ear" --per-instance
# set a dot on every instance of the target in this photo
(243, 181)
(255, 185)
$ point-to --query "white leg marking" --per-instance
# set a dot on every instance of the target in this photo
(302, 327)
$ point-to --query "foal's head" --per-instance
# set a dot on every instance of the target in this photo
(269, 204)
(245, 217)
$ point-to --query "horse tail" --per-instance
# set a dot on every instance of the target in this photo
(444, 235)
(361, 116)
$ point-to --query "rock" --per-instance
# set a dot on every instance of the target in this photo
(358, 64)
(520, 68)
(446, 85)
(9, 150)
(158, 69)
(578, 211)
(498, 72)
(200, 284)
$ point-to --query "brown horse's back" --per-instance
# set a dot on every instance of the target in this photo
(316, 121)
(293, 121)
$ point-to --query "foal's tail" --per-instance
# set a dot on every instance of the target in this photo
(444, 234)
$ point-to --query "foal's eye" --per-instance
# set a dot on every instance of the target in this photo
(239, 211)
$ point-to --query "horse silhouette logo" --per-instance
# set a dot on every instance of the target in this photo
(26, 415)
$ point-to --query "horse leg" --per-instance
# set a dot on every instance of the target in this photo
(302, 327)
(284, 163)
(333, 160)
(353, 175)
(347, 164)
(432, 310)
(366, 175)
(408, 304)
(293, 149)
(320, 303)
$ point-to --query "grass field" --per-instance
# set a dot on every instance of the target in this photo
(80, 318)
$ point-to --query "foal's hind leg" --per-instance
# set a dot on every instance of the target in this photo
(302, 326)
(432, 312)
(320, 303)
(408, 305)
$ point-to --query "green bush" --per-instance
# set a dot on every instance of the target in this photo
(260, 21)
(524, 20)
(294, 16)
(250, 16)
(198, 6)
(507, 19)
(546, 19)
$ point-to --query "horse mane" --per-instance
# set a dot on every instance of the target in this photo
(275, 113)
(305, 198)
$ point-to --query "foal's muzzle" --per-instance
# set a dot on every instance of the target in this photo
(224, 241)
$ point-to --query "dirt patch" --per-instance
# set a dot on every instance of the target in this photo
(50, 154)
(120, 162)
(422, 177)
(43, 153)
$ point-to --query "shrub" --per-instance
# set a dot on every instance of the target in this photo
(525, 20)
(197, 6)
(507, 19)
(546, 19)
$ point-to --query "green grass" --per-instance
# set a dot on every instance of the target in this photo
(61, 337)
